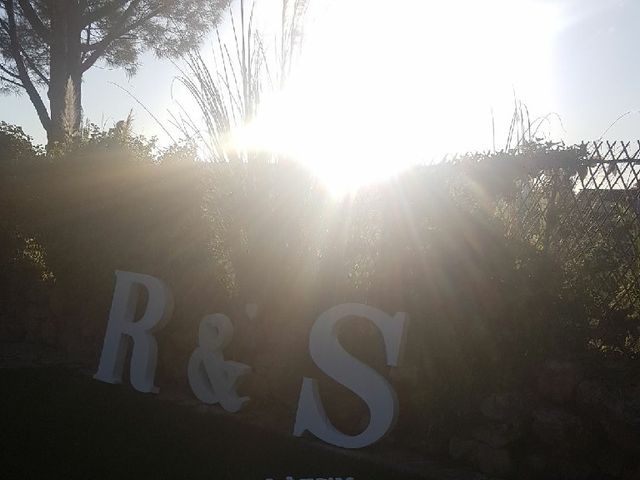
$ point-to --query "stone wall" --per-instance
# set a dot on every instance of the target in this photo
(571, 422)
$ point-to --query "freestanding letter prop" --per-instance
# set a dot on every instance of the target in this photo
(212, 378)
(361, 379)
(122, 324)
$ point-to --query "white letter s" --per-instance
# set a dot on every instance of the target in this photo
(361, 379)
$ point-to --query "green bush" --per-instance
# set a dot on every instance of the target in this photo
(486, 302)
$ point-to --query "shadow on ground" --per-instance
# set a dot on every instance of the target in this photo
(57, 423)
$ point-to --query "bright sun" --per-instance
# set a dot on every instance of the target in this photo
(383, 85)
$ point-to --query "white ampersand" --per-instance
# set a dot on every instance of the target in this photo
(212, 379)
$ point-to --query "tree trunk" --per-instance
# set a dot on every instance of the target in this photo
(65, 69)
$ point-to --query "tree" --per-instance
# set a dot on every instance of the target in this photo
(50, 44)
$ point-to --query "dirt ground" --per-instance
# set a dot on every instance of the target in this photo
(57, 423)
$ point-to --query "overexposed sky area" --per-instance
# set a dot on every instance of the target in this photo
(426, 75)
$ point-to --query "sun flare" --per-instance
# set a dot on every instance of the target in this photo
(379, 88)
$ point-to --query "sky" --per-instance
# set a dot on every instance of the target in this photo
(416, 75)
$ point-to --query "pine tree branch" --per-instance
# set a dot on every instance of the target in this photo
(104, 42)
(101, 12)
(99, 48)
(9, 72)
(28, 59)
(15, 48)
(34, 20)
(8, 80)
(32, 65)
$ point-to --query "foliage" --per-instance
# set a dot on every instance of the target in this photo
(442, 243)
(569, 205)
(21, 268)
(228, 90)
(15, 145)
